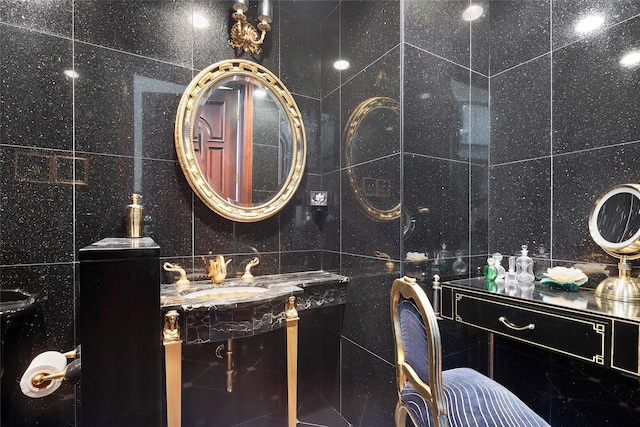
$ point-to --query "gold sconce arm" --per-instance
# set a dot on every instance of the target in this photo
(245, 36)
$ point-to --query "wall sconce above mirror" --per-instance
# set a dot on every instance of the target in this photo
(244, 36)
(614, 224)
(240, 140)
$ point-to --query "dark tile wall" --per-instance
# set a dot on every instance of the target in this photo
(478, 173)
(73, 150)
(563, 129)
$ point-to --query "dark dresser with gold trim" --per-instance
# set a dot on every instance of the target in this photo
(576, 324)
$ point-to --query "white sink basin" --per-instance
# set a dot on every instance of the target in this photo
(228, 292)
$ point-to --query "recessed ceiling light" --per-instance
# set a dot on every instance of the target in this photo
(341, 64)
(199, 21)
(473, 12)
(259, 93)
(631, 59)
(71, 73)
(589, 23)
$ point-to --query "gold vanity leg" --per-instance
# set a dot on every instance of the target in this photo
(292, 360)
(173, 368)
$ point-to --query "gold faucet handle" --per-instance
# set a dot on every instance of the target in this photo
(183, 283)
(247, 276)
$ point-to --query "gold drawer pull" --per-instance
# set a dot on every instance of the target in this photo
(510, 325)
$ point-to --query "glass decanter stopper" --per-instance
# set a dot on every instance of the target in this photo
(524, 267)
(490, 271)
(501, 271)
(459, 266)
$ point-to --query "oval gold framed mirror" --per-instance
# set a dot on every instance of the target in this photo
(371, 120)
(614, 224)
(240, 140)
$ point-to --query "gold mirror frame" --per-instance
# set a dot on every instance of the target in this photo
(184, 129)
(351, 128)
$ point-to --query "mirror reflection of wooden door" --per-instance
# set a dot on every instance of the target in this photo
(223, 143)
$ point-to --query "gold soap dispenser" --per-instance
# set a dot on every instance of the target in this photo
(133, 221)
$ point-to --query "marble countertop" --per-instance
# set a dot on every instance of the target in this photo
(277, 286)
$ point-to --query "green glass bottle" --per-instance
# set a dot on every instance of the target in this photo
(490, 271)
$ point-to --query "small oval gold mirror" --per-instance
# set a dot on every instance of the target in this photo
(614, 224)
(371, 125)
(240, 140)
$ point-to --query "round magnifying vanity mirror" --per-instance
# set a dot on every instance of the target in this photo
(614, 224)
(240, 140)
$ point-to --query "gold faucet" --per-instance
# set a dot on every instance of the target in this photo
(218, 269)
(247, 276)
(183, 283)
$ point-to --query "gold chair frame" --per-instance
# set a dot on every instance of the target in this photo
(433, 392)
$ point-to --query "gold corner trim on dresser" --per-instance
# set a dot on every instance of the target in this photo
(613, 337)
(597, 327)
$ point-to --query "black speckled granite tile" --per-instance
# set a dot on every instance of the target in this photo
(381, 79)
(300, 48)
(300, 224)
(263, 235)
(438, 27)
(52, 17)
(475, 139)
(360, 231)
(481, 43)
(479, 209)
(520, 31)
(330, 238)
(125, 97)
(310, 109)
(369, 392)
(521, 112)
(589, 395)
(520, 205)
(575, 192)
(331, 133)
(372, 331)
(160, 30)
(166, 202)
(439, 202)
(436, 93)
(37, 211)
(211, 44)
(330, 51)
(594, 96)
(569, 15)
(37, 97)
(212, 233)
(531, 384)
(101, 204)
(300, 261)
(367, 31)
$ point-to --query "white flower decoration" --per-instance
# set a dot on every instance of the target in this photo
(566, 274)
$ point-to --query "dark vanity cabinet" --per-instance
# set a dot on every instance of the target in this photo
(576, 324)
(120, 333)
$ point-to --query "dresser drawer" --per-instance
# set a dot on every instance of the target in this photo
(577, 336)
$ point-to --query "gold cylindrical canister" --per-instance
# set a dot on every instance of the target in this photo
(134, 224)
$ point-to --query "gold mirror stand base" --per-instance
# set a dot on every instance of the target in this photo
(292, 360)
(623, 288)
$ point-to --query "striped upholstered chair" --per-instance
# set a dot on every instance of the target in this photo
(431, 397)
